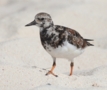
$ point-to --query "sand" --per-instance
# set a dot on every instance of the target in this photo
(24, 62)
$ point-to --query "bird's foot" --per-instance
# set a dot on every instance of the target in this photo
(70, 74)
(50, 72)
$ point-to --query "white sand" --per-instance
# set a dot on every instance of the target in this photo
(24, 62)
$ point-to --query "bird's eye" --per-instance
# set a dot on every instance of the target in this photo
(40, 19)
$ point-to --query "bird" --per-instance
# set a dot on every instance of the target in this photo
(59, 41)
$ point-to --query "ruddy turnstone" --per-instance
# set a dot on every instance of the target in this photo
(59, 41)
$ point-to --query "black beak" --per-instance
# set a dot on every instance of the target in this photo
(31, 23)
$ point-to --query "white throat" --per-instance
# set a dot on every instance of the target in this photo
(49, 28)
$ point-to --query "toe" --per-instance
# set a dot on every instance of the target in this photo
(56, 75)
(48, 73)
(51, 73)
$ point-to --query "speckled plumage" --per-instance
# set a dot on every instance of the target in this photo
(58, 34)
(59, 41)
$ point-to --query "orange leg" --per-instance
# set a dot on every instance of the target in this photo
(71, 70)
(53, 67)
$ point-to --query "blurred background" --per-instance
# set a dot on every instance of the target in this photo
(88, 17)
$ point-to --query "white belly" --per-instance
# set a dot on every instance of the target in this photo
(67, 51)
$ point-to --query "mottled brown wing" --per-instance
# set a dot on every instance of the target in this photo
(76, 39)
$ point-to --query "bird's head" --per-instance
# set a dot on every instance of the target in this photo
(41, 20)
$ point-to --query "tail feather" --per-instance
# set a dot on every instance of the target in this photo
(89, 44)
(88, 39)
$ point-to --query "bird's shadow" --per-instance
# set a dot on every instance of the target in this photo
(76, 73)
(81, 73)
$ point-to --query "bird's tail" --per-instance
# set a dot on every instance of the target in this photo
(88, 39)
(89, 44)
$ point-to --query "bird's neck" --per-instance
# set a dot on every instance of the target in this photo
(46, 35)
(47, 28)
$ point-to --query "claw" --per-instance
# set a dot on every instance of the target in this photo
(70, 74)
(51, 73)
